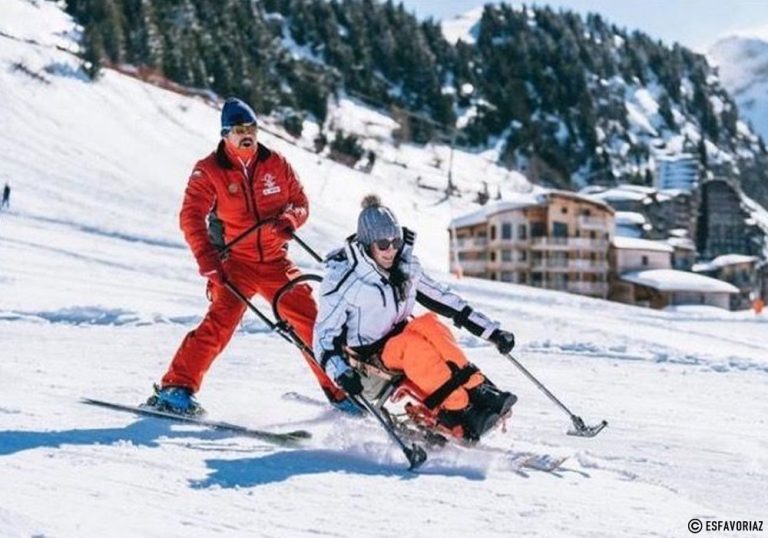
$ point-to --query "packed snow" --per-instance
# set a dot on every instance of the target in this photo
(97, 289)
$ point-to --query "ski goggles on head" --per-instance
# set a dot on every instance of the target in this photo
(244, 129)
(384, 244)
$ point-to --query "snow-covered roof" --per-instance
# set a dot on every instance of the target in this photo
(580, 197)
(636, 188)
(482, 215)
(619, 194)
(634, 243)
(681, 242)
(723, 261)
(673, 280)
(629, 218)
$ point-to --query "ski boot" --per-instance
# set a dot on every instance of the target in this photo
(487, 395)
(177, 400)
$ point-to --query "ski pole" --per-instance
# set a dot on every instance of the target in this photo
(580, 429)
(225, 250)
(306, 247)
(415, 454)
(271, 324)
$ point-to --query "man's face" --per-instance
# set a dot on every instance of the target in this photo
(243, 136)
(384, 251)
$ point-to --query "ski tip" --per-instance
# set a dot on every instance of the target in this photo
(299, 434)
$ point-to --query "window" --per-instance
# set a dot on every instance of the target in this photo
(493, 232)
(522, 231)
(644, 261)
(559, 229)
(592, 235)
(506, 230)
(506, 276)
(493, 255)
(506, 255)
(537, 229)
(523, 256)
(563, 210)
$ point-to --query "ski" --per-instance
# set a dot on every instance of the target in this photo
(291, 438)
(545, 463)
(436, 441)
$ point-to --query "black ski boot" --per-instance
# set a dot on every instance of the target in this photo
(474, 421)
(487, 395)
(478, 420)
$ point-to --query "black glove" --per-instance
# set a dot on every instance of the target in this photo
(504, 341)
(349, 380)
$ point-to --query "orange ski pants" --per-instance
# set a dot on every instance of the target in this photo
(202, 345)
(422, 351)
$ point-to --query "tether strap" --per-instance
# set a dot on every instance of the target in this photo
(459, 376)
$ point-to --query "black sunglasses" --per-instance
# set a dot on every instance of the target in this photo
(384, 244)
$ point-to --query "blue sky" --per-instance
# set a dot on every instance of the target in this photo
(693, 23)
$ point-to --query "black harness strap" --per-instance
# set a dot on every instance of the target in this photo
(459, 376)
(374, 348)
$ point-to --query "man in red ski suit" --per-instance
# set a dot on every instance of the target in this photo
(240, 184)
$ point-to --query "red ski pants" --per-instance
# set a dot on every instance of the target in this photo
(421, 351)
(202, 345)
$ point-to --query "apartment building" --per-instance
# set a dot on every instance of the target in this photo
(553, 239)
(736, 269)
(679, 172)
(642, 274)
(724, 224)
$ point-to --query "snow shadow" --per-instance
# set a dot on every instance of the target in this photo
(143, 432)
(281, 466)
(110, 234)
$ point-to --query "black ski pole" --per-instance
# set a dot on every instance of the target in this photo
(225, 250)
(306, 247)
(415, 454)
(579, 428)
(271, 324)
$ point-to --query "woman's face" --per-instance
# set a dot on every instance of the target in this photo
(384, 251)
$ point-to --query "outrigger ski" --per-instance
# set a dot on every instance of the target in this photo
(291, 438)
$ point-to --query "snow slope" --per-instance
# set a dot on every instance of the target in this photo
(97, 289)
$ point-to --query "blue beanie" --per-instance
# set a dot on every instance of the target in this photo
(235, 112)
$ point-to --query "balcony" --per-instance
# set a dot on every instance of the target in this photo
(570, 266)
(569, 244)
(591, 266)
(593, 223)
(508, 265)
(595, 289)
(470, 243)
(472, 266)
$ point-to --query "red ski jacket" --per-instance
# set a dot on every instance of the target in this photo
(240, 198)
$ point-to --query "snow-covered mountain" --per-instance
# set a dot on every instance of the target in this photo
(97, 289)
(742, 61)
(464, 27)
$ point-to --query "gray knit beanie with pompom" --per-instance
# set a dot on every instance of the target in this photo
(376, 222)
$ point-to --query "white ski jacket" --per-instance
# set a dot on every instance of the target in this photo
(359, 305)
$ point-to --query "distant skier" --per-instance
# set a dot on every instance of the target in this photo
(6, 197)
(366, 303)
(240, 184)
